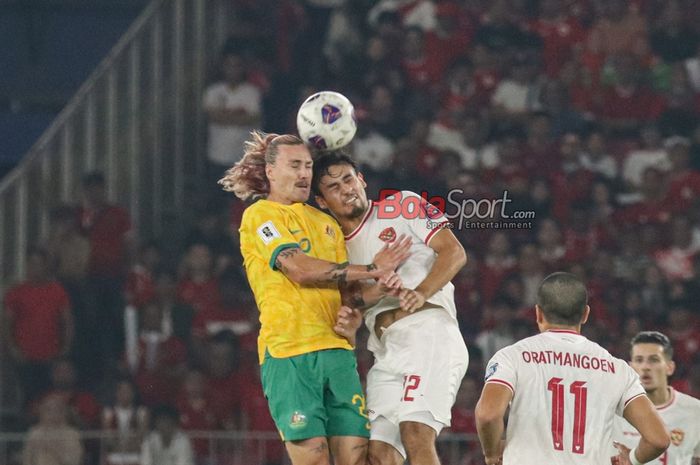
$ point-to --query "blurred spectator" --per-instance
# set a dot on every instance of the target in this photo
(177, 316)
(69, 252)
(676, 260)
(68, 249)
(531, 272)
(617, 29)
(127, 421)
(475, 151)
(630, 262)
(423, 70)
(233, 313)
(108, 227)
(140, 282)
(671, 38)
(519, 93)
(160, 359)
(498, 263)
(626, 100)
(372, 150)
(38, 324)
(684, 182)
(198, 286)
(233, 107)
(652, 153)
(497, 329)
(684, 332)
(83, 408)
(196, 413)
(561, 34)
(500, 33)
(211, 229)
(556, 102)
(223, 382)
(551, 248)
(595, 157)
(651, 205)
(166, 444)
(53, 441)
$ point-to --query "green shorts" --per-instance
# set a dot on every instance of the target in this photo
(315, 394)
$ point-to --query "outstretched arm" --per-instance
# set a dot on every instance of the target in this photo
(303, 269)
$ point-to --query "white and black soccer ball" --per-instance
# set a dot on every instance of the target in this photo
(326, 121)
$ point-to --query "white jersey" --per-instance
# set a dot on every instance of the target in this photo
(383, 223)
(681, 415)
(566, 392)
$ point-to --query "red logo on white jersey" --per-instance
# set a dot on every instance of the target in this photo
(388, 235)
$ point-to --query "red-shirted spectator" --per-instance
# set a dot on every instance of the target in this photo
(450, 38)
(159, 361)
(652, 207)
(235, 313)
(108, 227)
(627, 102)
(255, 416)
(423, 69)
(676, 260)
(550, 245)
(562, 35)
(198, 286)
(83, 408)
(581, 238)
(38, 324)
(684, 334)
(223, 382)
(684, 182)
(196, 413)
(498, 263)
(140, 282)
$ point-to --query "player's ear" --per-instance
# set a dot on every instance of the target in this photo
(268, 170)
(539, 315)
(586, 313)
(321, 202)
(670, 367)
(362, 179)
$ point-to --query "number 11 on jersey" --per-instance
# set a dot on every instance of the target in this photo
(580, 393)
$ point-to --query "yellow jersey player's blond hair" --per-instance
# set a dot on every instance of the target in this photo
(247, 178)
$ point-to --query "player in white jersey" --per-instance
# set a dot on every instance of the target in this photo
(563, 391)
(420, 354)
(652, 358)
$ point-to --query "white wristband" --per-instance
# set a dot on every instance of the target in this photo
(633, 457)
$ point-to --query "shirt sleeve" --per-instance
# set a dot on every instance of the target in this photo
(424, 218)
(502, 370)
(633, 389)
(269, 231)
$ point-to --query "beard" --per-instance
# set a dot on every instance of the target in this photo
(357, 212)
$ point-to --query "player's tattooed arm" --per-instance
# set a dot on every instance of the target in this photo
(307, 270)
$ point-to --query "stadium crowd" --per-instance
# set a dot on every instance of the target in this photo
(586, 112)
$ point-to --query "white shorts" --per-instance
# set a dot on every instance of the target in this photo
(416, 374)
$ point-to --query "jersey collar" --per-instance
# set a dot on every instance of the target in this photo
(354, 233)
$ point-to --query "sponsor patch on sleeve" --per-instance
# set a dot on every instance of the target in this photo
(491, 370)
(268, 232)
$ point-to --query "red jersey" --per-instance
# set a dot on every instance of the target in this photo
(199, 295)
(106, 229)
(37, 310)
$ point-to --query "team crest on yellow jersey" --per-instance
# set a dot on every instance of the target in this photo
(330, 231)
(677, 436)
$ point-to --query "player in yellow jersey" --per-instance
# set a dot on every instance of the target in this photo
(295, 259)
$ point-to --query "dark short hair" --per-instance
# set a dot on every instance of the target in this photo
(562, 298)
(654, 337)
(323, 163)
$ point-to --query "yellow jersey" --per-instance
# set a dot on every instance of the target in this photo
(295, 319)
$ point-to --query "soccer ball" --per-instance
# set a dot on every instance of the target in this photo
(326, 121)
